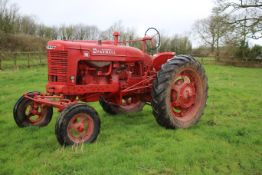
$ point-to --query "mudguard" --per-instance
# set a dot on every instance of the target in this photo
(161, 58)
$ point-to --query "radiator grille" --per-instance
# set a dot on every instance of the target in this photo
(57, 66)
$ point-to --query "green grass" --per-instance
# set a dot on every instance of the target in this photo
(227, 140)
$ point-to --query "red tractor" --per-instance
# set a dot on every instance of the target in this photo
(122, 78)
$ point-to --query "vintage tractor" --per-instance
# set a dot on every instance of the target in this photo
(122, 78)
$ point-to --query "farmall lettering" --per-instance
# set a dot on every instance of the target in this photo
(103, 51)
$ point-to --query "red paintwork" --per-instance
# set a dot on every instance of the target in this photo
(88, 70)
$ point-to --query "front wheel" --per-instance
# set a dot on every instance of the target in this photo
(179, 93)
(27, 113)
(77, 124)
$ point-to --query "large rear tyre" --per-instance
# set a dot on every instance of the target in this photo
(130, 104)
(77, 124)
(27, 113)
(179, 93)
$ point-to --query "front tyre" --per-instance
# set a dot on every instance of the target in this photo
(179, 93)
(27, 113)
(77, 124)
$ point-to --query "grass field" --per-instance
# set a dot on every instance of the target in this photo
(227, 140)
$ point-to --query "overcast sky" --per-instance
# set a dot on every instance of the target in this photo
(169, 16)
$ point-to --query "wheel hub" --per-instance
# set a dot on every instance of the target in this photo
(183, 94)
(187, 96)
(34, 113)
(80, 128)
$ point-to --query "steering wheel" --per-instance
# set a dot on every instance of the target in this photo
(154, 34)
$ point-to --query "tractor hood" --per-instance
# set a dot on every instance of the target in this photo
(96, 48)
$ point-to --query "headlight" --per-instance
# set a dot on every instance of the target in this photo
(49, 47)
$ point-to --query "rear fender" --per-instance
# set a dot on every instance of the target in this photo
(161, 58)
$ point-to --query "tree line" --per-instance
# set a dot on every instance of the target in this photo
(14, 23)
(225, 33)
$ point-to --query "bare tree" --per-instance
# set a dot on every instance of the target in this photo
(8, 16)
(108, 34)
(66, 32)
(177, 43)
(93, 32)
(46, 32)
(244, 14)
(213, 31)
(205, 31)
(27, 25)
(80, 32)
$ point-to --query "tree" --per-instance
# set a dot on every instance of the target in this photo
(176, 43)
(92, 33)
(27, 25)
(66, 32)
(80, 32)
(46, 32)
(205, 31)
(8, 16)
(108, 34)
(255, 52)
(212, 31)
(244, 14)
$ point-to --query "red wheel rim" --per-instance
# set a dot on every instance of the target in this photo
(80, 128)
(35, 113)
(186, 94)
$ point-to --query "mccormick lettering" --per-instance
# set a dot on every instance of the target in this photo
(97, 51)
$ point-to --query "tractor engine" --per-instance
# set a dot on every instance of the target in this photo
(97, 72)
